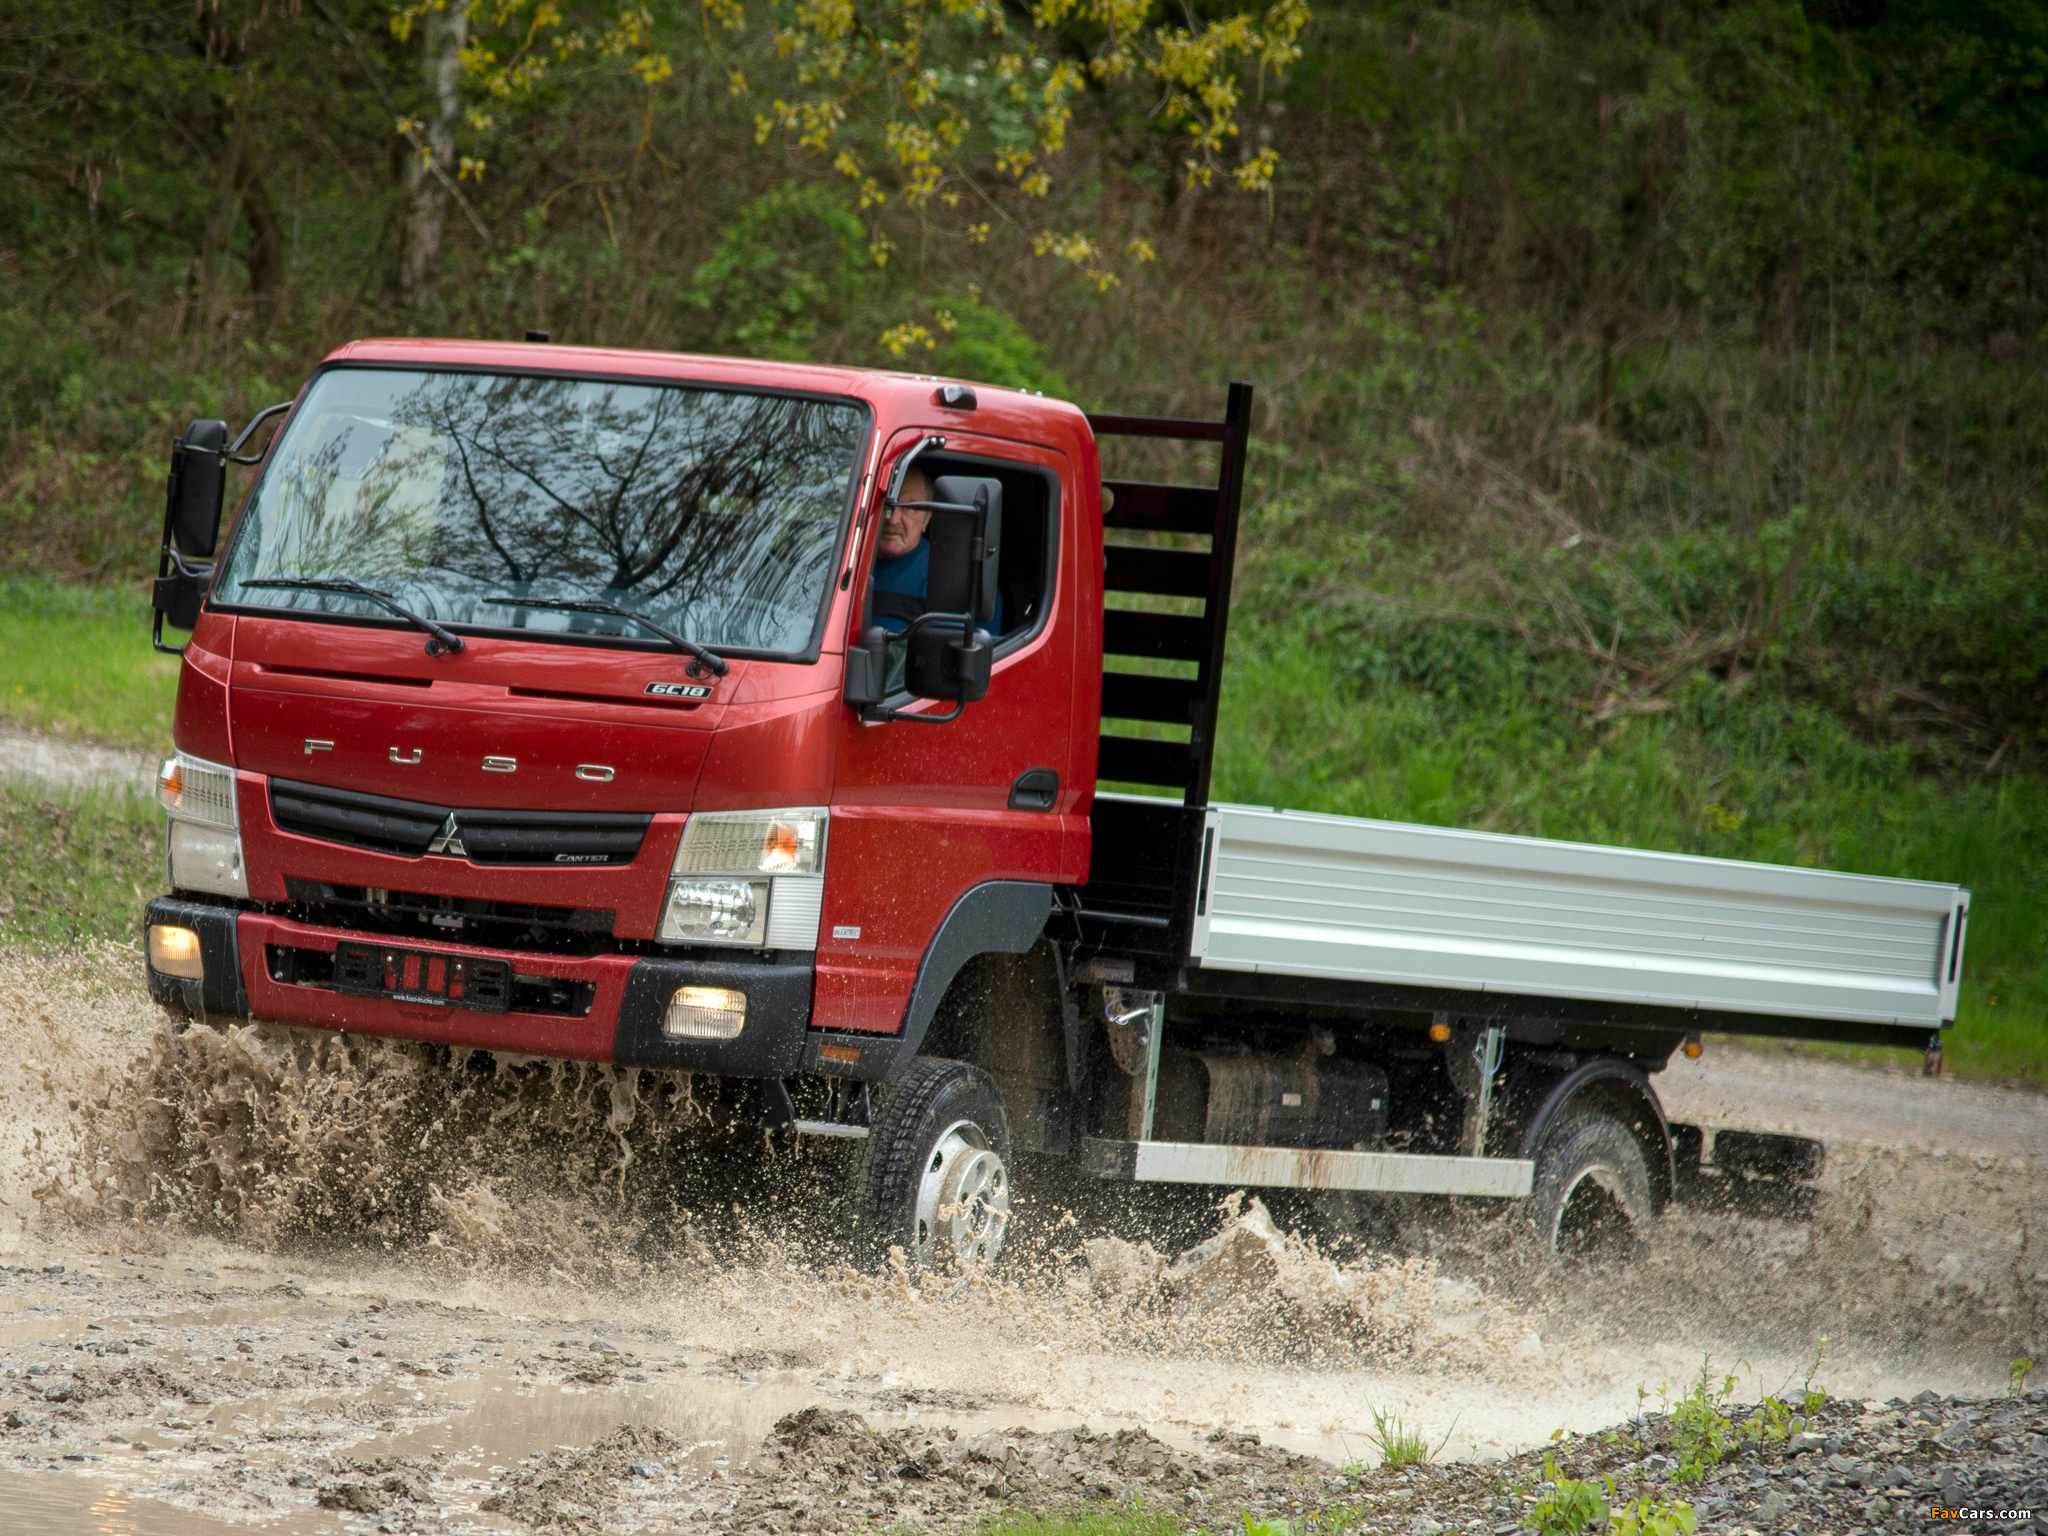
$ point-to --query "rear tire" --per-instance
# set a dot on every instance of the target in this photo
(935, 1170)
(1592, 1194)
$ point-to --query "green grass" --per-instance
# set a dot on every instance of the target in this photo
(77, 866)
(80, 664)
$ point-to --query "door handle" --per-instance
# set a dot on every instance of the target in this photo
(1036, 789)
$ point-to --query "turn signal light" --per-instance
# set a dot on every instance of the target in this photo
(705, 1013)
(1692, 1048)
(175, 952)
(1439, 1033)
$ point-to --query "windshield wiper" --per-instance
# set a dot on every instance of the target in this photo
(441, 641)
(717, 664)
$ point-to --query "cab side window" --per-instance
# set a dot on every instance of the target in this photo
(1030, 542)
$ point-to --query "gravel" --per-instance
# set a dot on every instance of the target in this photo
(1854, 1467)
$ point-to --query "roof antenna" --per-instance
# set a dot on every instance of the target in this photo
(536, 335)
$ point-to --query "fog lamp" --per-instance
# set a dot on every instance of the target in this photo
(175, 952)
(705, 1013)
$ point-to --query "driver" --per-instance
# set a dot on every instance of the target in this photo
(902, 557)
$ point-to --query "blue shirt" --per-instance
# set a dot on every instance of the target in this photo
(910, 574)
(906, 573)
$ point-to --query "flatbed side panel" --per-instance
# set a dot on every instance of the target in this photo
(1347, 899)
(1401, 1173)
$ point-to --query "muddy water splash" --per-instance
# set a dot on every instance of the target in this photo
(557, 1189)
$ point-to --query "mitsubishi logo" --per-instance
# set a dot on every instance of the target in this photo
(449, 840)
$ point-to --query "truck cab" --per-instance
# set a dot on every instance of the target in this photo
(555, 831)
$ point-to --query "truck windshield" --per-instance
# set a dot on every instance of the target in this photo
(715, 513)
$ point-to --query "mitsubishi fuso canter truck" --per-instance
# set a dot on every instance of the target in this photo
(544, 700)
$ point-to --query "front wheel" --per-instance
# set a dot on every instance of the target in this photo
(935, 1172)
(1592, 1192)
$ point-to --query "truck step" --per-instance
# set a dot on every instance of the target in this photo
(1403, 1173)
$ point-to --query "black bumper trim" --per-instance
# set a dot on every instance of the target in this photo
(220, 994)
(772, 1043)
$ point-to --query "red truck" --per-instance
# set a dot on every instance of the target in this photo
(540, 702)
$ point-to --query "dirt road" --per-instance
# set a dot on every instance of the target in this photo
(65, 764)
(259, 1270)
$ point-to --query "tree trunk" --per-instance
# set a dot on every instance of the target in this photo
(430, 163)
(266, 236)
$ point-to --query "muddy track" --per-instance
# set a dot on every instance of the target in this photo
(253, 1269)
(62, 763)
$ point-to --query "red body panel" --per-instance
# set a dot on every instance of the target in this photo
(200, 725)
(379, 699)
(919, 813)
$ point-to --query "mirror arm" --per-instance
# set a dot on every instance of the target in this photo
(156, 636)
(233, 454)
(903, 468)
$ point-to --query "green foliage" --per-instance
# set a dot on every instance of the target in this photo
(1811, 1398)
(1701, 1428)
(1652, 1514)
(1273, 1527)
(988, 346)
(2016, 1377)
(1572, 1507)
(1771, 1419)
(794, 259)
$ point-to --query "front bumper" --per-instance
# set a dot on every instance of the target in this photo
(246, 976)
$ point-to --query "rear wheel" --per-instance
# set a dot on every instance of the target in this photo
(935, 1171)
(1592, 1189)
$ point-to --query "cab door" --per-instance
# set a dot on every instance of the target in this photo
(922, 813)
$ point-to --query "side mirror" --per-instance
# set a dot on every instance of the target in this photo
(967, 546)
(193, 495)
(943, 664)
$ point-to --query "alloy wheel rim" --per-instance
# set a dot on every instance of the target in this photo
(963, 1201)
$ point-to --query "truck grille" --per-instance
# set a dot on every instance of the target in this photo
(413, 829)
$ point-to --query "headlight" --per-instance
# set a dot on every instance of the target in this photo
(207, 859)
(715, 912)
(204, 839)
(779, 912)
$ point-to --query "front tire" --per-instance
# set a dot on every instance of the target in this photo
(1592, 1190)
(935, 1174)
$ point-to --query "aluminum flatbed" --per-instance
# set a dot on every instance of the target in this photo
(1436, 909)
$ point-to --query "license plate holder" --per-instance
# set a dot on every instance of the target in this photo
(406, 975)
